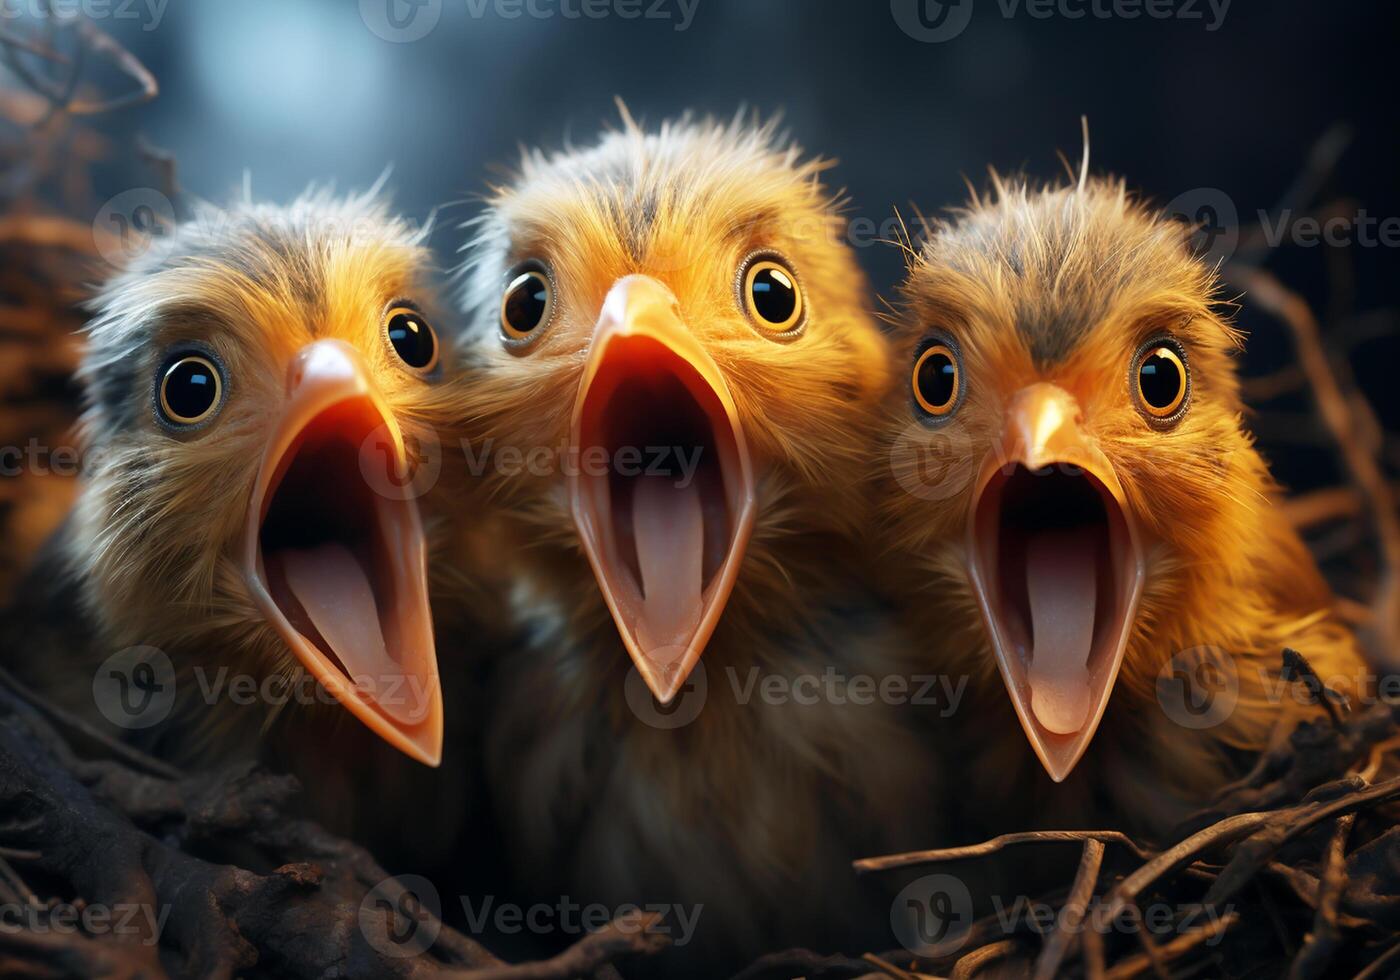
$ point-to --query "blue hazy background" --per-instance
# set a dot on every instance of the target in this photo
(296, 91)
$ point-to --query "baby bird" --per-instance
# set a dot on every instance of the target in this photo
(1072, 500)
(670, 334)
(255, 386)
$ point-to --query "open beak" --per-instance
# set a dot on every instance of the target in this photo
(663, 495)
(1057, 566)
(339, 569)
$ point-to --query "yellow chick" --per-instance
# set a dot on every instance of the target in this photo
(1072, 502)
(673, 383)
(256, 385)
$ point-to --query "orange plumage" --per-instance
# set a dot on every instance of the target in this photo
(641, 330)
(250, 417)
(1070, 505)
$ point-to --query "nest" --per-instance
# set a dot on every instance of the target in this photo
(1297, 864)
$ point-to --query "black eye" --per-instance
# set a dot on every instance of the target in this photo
(526, 303)
(413, 338)
(771, 295)
(1162, 379)
(937, 380)
(190, 390)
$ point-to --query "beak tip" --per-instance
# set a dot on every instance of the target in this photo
(663, 692)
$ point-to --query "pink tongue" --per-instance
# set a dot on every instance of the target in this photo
(1061, 582)
(668, 524)
(332, 588)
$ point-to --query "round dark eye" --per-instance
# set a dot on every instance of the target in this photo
(936, 380)
(190, 390)
(772, 296)
(1162, 380)
(413, 338)
(526, 304)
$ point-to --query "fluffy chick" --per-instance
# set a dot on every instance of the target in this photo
(1074, 502)
(687, 288)
(257, 385)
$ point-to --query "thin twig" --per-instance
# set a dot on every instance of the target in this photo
(1315, 956)
(1075, 908)
(943, 855)
(1338, 412)
(1133, 965)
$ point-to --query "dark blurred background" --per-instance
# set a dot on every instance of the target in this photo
(1214, 102)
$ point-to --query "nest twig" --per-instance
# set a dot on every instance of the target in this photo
(122, 833)
(1344, 887)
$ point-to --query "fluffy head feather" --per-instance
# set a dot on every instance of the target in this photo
(1063, 284)
(685, 204)
(596, 801)
(153, 538)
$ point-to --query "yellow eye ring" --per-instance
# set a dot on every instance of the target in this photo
(526, 304)
(1162, 380)
(937, 380)
(772, 296)
(191, 390)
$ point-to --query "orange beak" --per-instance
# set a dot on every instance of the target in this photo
(338, 568)
(663, 496)
(1057, 566)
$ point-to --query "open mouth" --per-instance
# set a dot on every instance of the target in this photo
(663, 496)
(339, 567)
(1058, 573)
